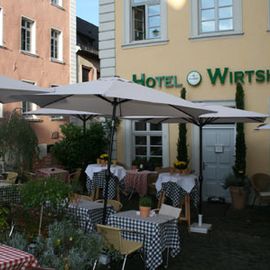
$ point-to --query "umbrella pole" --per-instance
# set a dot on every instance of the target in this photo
(201, 168)
(108, 171)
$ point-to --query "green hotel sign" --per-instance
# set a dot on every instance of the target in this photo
(157, 81)
(224, 75)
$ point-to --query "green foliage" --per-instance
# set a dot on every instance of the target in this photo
(182, 153)
(37, 192)
(17, 240)
(76, 148)
(240, 145)
(18, 143)
(145, 201)
(67, 247)
(4, 212)
(236, 181)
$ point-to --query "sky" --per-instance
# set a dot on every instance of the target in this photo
(88, 10)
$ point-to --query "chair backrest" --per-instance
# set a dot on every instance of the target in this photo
(261, 182)
(75, 197)
(117, 206)
(12, 177)
(164, 170)
(169, 210)
(111, 235)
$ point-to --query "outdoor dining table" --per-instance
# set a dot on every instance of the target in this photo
(136, 181)
(160, 232)
(96, 178)
(186, 184)
(12, 258)
(88, 213)
(55, 172)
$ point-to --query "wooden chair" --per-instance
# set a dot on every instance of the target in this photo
(185, 206)
(261, 185)
(151, 181)
(12, 177)
(117, 206)
(75, 197)
(113, 238)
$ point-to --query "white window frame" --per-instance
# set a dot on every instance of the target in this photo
(195, 21)
(1, 27)
(32, 35)
(129, 142)
(32, 106)
(58, 3)
(127, 37)
(59, 57)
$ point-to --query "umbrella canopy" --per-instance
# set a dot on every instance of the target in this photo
(263, 127)
(116, 97)
(83, 116)
(128, 97)
(9, 88)
(222, 115)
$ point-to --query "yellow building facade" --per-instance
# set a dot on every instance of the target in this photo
(206, 46)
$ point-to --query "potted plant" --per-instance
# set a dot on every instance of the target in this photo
(145, 204)
(238, 185)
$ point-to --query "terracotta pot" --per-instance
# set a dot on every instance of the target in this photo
(238, 195)
(145, 211)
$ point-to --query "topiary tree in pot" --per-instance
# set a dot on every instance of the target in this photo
(182, 152)
(238, 181)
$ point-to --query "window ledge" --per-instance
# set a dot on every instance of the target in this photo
(32, 119)
(29, 54)
(216, 35)
(57, 6)
(54, 60)
(145, 43)
(3, 47)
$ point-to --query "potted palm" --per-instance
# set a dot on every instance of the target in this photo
(145, 206)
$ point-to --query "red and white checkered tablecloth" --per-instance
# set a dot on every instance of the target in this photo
(12, 258)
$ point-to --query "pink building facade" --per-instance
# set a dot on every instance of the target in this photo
(38, 45)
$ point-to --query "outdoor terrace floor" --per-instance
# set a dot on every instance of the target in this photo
(239, 240)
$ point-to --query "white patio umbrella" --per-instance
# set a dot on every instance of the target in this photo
(116, 97)
(83, 116)
(9, 88)
(263, 127)
(222, 115)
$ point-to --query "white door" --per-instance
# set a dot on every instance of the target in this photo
(218, 159)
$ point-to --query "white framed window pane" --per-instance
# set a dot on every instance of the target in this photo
(208, 26)
(226, 24)
(26, 26)
(225, 12)
(140, 140)
(208, 14)
(207, 3)
(140, 126)
(141, 151)
(154, 33)
(138, 14)
(156, 151)
(223, 3)
(154, 21)
(138, 1)
(156, 140)
(155, 127)
(154, 10)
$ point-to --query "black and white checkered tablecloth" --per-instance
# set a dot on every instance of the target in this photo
(160, 232)
(88, 214)
(10, 194)
(99, 180)
(177, 194)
